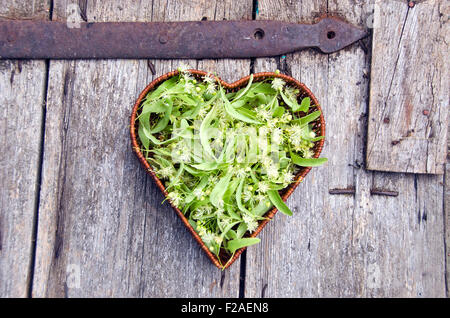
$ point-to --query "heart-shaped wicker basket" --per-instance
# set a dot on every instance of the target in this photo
(318, 127)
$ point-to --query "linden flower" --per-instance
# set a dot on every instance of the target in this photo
(185, 156)
(224, 222)
(220, 203)
(241, 173)
(211, 88)
(250, 222)
(175, 198)
(208, 79)
(199, 213)
(290, 92)
(202, 113)
(201, 229)
(272, 172)
(265, 114)
(248, 197)
(188, 77)
(166, 172)
(308, 153)
(272, 122)
(208, 237)
(263, 187)
(219, 212)
(189, 87)
(266, 161)
(198, 193)
(288, 177)
(286, 118)
(208, 209)
(276, 135)
(213, 179)
(260, 198)
(278, 84)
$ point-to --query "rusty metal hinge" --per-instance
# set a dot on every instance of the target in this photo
(170, 40)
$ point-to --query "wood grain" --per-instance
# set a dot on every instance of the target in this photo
(102, 228)
(344, 245)
(22, 92)
(409, 93)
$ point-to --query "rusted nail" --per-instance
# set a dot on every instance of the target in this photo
(395, 142)
(151, 66)
(342, 191)
(263, 291)
(411, 4)
(426, 112)
(386, 120)
(388, 193)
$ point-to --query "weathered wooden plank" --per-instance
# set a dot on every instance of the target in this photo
(345, 245)
(22, 87)
(447, 214)
(409, 92)
(102, 228)
(407, 236)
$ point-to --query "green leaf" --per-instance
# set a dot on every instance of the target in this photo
(157, 106)
(309, 118)
(191, 114)
(206, 166)
(245, 90)
(307, 162)
(227, 229)
(291, 103)
(234, 113)
(204, 131)
(239, 196)
(304, 106)
(241, 230)
(236, 244)
(239, 103)
(165, 86)
(163, 122)
(275, 198)
(228, 195)
(219, 190)
(261, 208)
(279, 111)
(142, 137)
(316, 138)
(231, 234)
(261, 87)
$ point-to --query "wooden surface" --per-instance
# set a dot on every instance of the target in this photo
(101, 227)
(22, 87)
(100, 214)
(409, 90)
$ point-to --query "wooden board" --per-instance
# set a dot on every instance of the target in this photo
(22, 93)
(358, 245)
(102, 228)
(409, 92)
